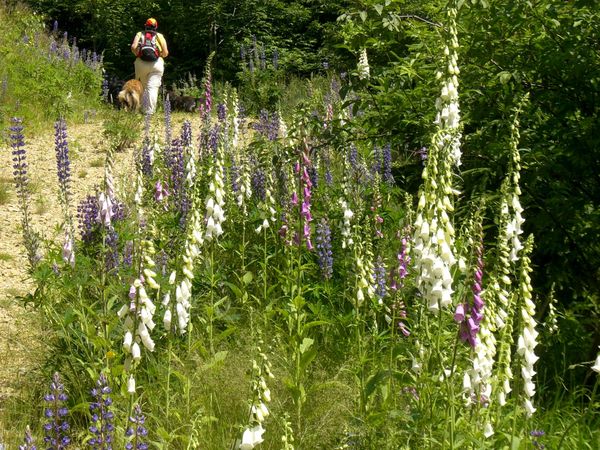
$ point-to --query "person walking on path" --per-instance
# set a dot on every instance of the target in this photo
(150, 48)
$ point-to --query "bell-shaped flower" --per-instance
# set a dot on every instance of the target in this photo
(252, 437)
(127, 341)
(136, 354)
(131, 385)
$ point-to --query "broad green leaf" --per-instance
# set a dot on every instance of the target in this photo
(306, 344)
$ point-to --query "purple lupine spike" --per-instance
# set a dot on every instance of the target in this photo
(213, 140)
(377, 163)
(87, 215)
(63, 164)
(128, 254)
(314, 176)
(112, 251)
(102, 427)
(55, 430)
(258, 180)
(55, 27)
(386, 169)
(273, 127)
(21, 179)
(379, 277)
(234, 174)
(221, 112)
(186, 133)
(167, 108)
(136, 433)
(28, 441)
(324, 253)
(353, 158)
(263, 58)
(275, 59)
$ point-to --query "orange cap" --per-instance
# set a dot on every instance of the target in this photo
(151, 23)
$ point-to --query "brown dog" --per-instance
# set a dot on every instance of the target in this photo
(131, 95)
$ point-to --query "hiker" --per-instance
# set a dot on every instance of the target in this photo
(150, 48)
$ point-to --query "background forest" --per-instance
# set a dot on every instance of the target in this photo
(287, 57)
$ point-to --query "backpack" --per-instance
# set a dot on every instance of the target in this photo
(148, 48)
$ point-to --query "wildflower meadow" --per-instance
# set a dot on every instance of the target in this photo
(262, 278)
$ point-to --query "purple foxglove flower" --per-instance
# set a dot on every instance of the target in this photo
(105, 210)
(459, 314)
(160, 191)
(294, 200)
(68, 254)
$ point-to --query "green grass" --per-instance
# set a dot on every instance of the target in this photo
(37, 88)
(5, 192)
(6, 257)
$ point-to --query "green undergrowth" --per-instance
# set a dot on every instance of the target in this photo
(43, 75)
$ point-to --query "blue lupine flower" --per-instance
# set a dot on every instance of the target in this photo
(379, 276)
(56, 428)
(137, 432)
(63, 164)
(29, 444)
(324, 252)
(87, 215)
(102, 426)
(387, 165)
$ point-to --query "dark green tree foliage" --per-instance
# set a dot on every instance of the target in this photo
(194, 29)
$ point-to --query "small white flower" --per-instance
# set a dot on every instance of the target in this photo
(596, 366)
(252, 437)
(488, 430)
(127, 341)
(131, 385)
(135, 352)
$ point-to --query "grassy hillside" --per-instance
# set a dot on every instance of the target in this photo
(43, 75)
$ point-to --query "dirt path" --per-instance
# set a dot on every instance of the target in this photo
(20, 329)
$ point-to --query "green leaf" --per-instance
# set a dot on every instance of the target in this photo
(247, 278)
(378, 8)
(363, 15)
(306, 344)
(504, 76)
(307, 358)
(374, 381)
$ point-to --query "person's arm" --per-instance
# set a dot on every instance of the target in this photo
(135, 43)
(164, 50)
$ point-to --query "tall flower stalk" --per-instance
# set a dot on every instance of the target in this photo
(434, 232)
(527, 340)
(102, 427)
(21, 179)
(57, 427)
(63, 170)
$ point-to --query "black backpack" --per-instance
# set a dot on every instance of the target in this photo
(148, 46)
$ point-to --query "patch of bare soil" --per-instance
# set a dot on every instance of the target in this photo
(21, 331)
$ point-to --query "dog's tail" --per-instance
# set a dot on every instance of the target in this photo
(133, 100)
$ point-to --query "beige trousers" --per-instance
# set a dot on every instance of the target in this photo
(150, 74)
